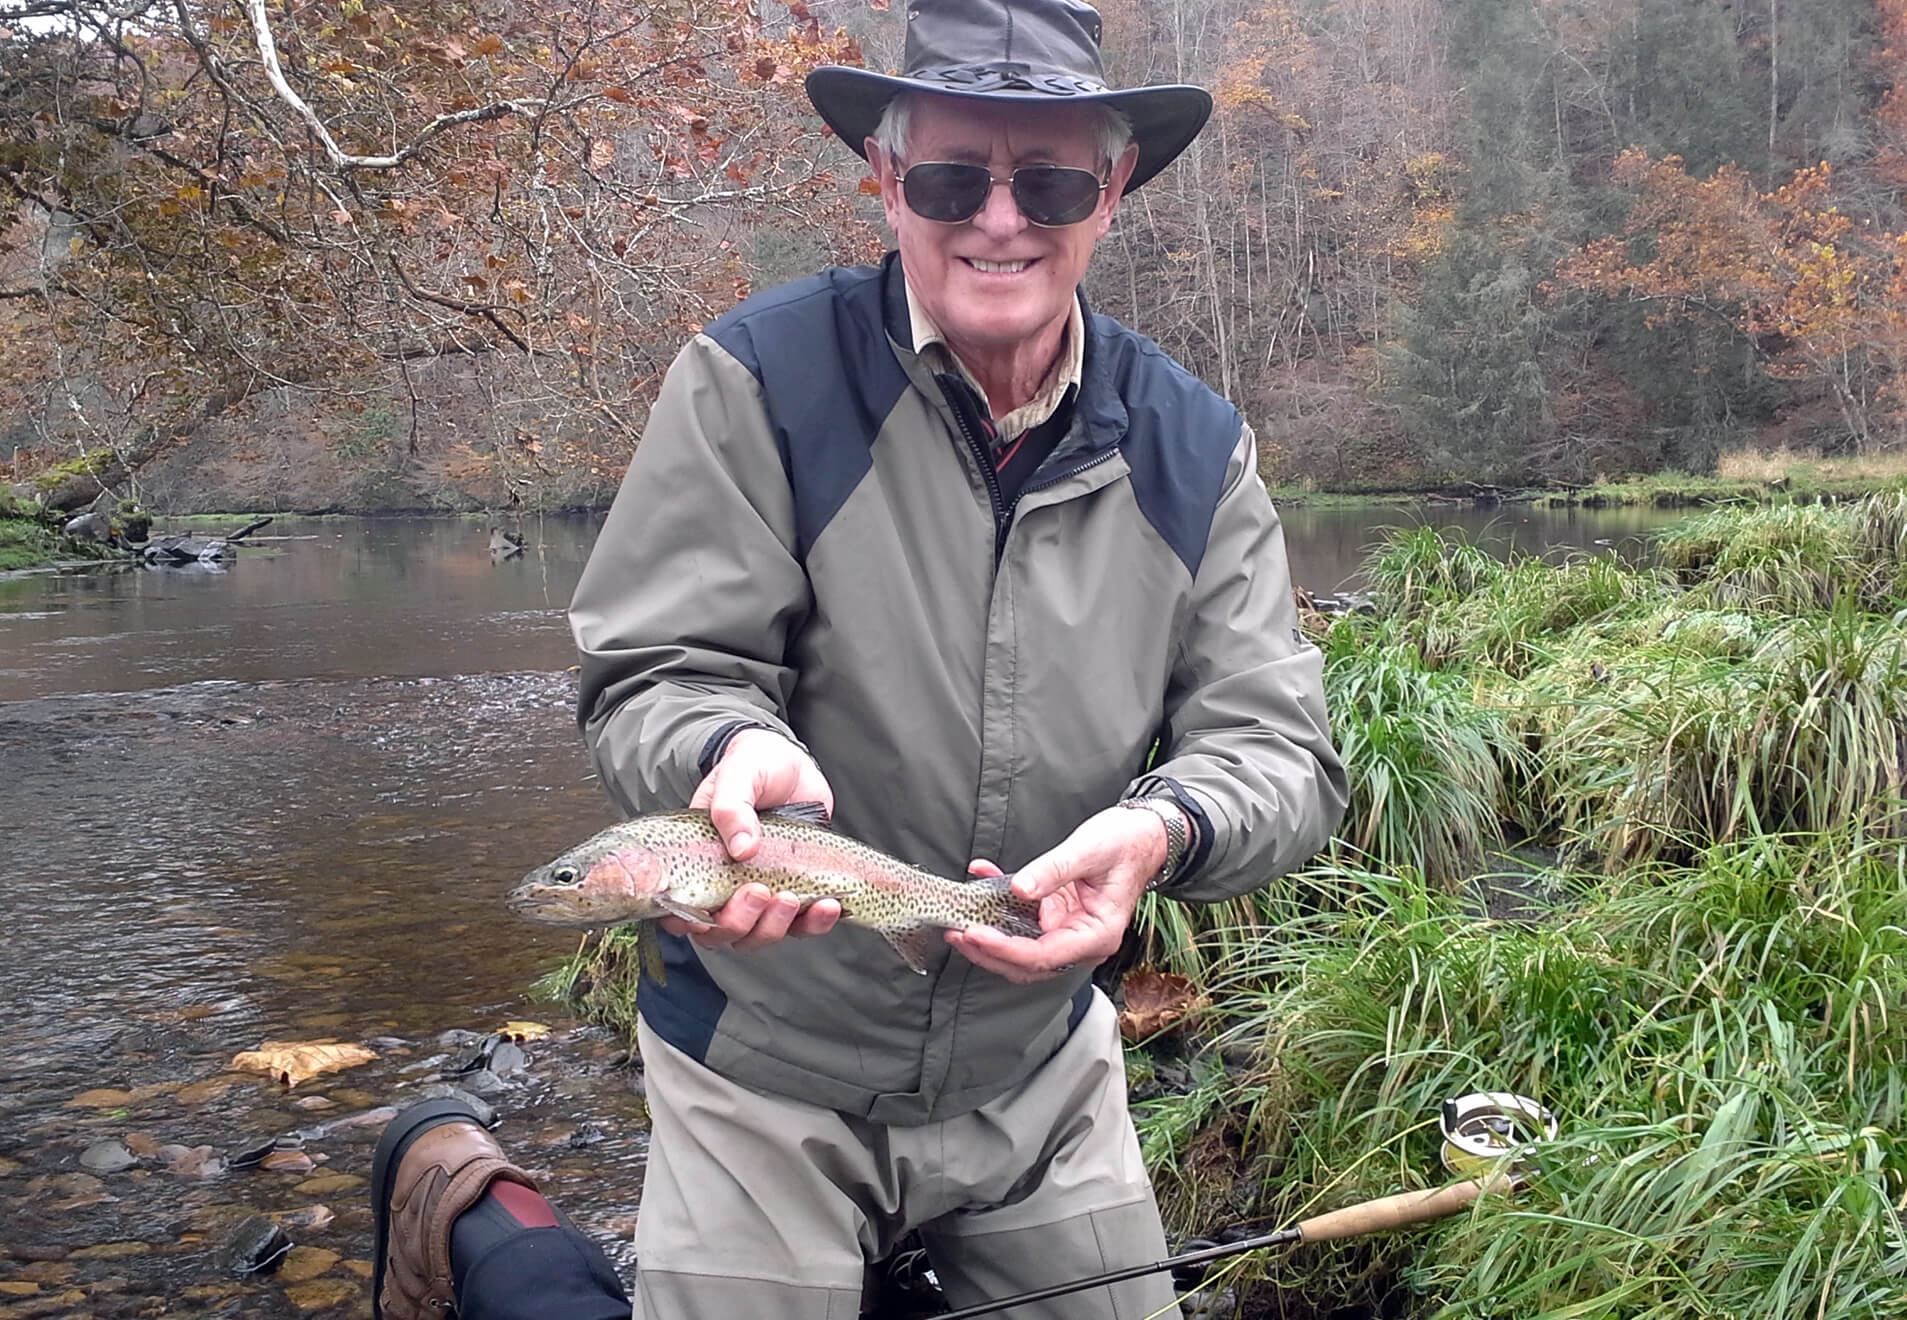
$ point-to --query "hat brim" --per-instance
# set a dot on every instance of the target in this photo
(1164, 119)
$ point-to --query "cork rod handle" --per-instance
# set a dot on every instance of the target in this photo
(1396, 1211)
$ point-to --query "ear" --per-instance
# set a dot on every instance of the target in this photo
(1115, 188)
(883, 166)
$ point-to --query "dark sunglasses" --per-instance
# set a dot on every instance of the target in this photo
(1050, 196)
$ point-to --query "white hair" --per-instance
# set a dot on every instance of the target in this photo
(1114, 130)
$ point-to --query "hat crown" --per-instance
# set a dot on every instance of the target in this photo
(1048, 46)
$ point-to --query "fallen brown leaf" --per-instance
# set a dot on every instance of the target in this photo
(1157, 1002)
(295, 1061)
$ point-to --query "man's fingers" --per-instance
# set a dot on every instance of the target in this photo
(737, 917)
(819, 919)
(733, 815)
(1046, 874)
(777, 915)
(754, 918)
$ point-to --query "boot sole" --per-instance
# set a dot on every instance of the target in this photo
(398, 1136)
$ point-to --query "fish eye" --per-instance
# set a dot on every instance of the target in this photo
(564, 875)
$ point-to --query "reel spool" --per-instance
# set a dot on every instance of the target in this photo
(1492, 1132)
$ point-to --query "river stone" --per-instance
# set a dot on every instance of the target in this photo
(47, 1304)
(484, 1113)
(17, 1288)
(326, 1184)
(287, 1161)
(310, 1217)
(307, 1104)
(482, 1082)
(302, 1263)
(257, 1244)
(107, 1157)
(321, 1294)
(90, 527)
(211, 1088)
(507, 1058)
(103, 1097)
(112, 1250)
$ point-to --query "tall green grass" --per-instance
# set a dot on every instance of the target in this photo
(1725, 1045)
(1426, 758)
(1713, 732)
(1796, 558)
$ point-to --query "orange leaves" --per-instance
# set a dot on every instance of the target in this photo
(1819, 294)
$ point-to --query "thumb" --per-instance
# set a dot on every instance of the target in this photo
(1046, 874)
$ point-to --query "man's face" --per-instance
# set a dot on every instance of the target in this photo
(995, 281)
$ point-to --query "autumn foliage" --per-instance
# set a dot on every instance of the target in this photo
(1422, 242)
(1818, 294)
(526, 208)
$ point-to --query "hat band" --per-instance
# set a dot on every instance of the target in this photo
(1007, 78)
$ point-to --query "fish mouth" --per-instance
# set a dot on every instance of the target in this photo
(536, 905)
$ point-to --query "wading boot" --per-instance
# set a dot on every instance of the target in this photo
(433, 1163)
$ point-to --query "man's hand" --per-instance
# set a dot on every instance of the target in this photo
(1087, 889)
(759, 768)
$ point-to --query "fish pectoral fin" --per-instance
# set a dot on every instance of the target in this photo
(698, 915)
(649, 952)
(915, 946)
(807, 813)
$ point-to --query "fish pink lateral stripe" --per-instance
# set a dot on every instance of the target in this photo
(801, 855)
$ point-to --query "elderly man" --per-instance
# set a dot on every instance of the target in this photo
(996, 582)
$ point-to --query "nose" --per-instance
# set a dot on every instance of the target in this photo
(1000, 217)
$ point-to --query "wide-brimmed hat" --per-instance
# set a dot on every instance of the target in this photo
(1042, 52)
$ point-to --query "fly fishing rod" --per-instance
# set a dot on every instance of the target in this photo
(1489, 1133)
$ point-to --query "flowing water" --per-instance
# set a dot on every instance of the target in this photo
(282, 801)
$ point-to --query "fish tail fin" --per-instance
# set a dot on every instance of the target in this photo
(1005, 910)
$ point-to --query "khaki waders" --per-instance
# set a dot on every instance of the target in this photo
(757, 1206)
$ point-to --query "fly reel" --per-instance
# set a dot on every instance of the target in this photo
(1493, 1132)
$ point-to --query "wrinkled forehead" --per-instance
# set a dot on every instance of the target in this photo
(967, 129)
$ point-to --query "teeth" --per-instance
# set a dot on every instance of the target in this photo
(998, 267)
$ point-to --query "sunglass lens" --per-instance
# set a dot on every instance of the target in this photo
(1055, 194)
(946, 192)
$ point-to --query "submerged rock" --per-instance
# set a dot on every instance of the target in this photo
(107, 1157)
(256, 1245)
(486, 1115)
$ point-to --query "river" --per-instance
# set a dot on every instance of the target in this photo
(281, 801)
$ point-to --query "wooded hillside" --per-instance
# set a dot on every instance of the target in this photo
(451, 244)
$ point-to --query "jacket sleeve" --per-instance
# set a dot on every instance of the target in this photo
(683, 612)
(1247, 750)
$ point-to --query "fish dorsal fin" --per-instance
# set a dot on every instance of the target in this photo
(806, 813)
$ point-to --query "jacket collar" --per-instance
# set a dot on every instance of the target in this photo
(1099, 414)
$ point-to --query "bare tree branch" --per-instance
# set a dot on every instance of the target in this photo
(268, 56)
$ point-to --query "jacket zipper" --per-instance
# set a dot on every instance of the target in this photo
(995, 496)
(1002, 511)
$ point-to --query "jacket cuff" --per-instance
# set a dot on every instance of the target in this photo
(725, 734)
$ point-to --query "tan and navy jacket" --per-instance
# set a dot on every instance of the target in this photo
(809, 538)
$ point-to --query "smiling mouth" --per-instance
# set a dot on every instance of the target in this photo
(997, 267)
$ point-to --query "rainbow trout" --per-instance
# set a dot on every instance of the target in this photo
(672, 863)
